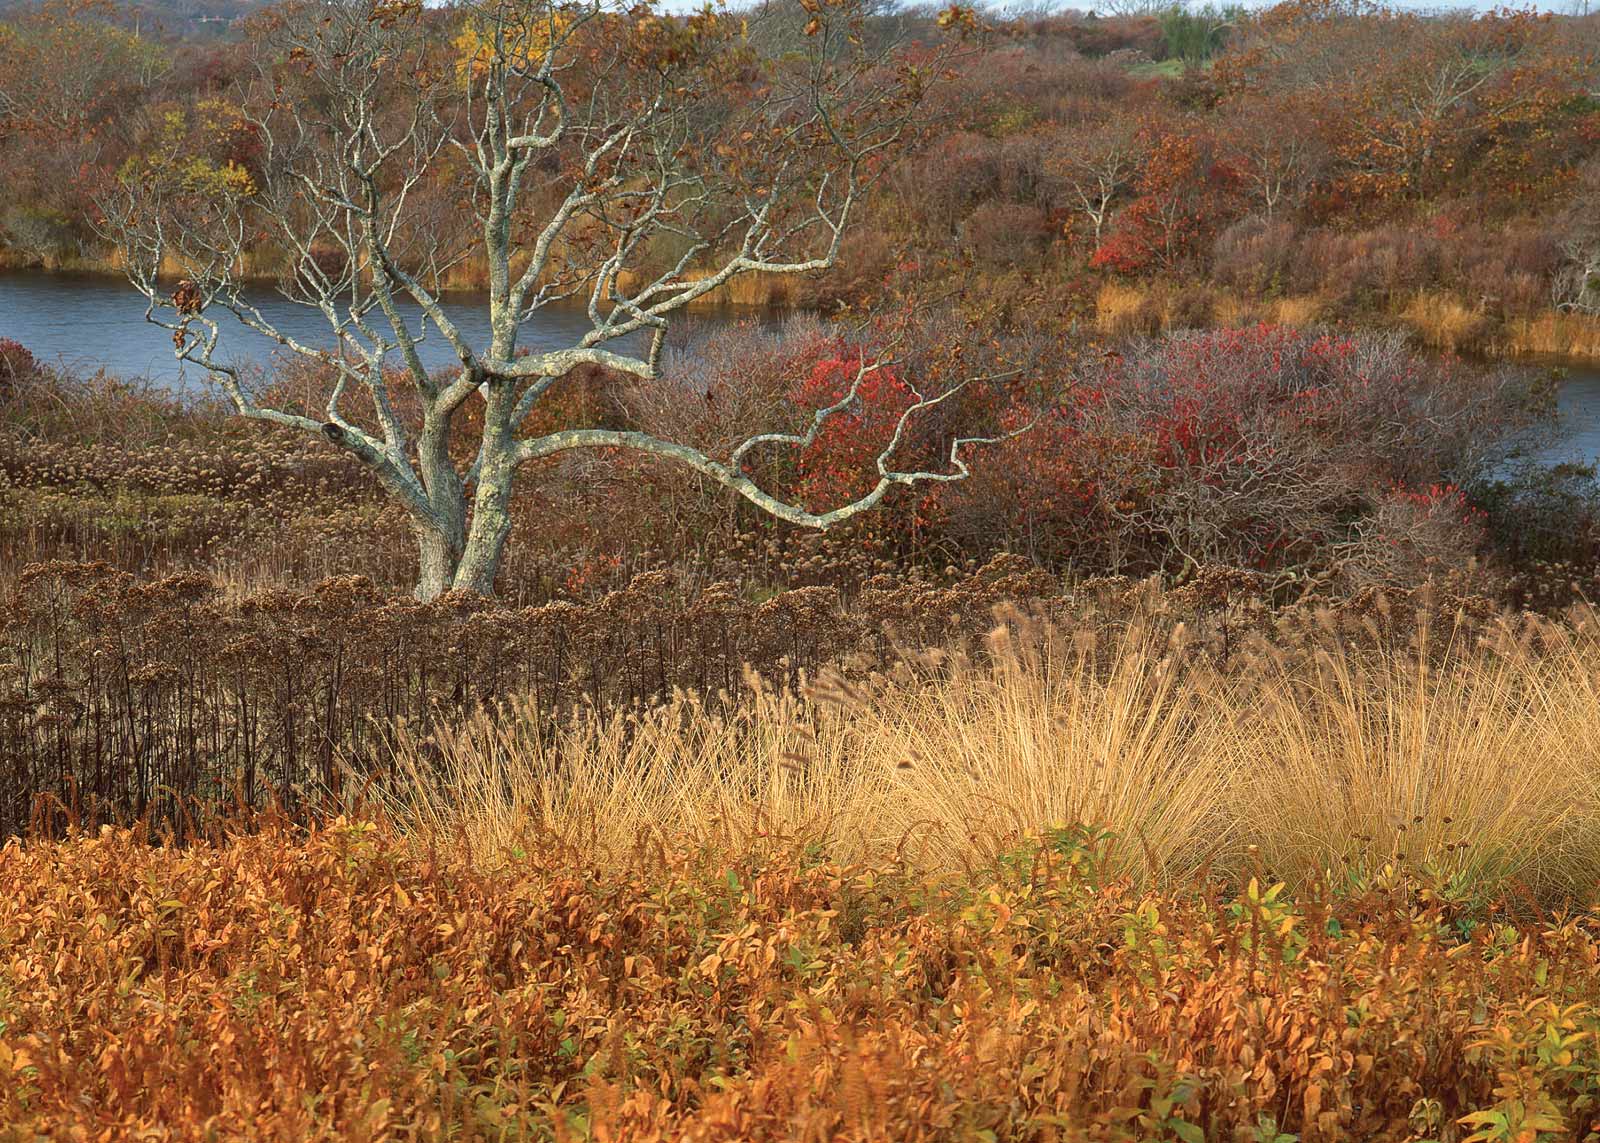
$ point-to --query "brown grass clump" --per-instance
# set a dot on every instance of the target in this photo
(1445, 323)
(1482, 766)
(1563, 335)
(1476, 765)
(944, 762)
(1303, 310)
(1118, 310)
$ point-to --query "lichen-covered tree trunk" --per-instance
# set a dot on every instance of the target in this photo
(437, 559)
(461, 547)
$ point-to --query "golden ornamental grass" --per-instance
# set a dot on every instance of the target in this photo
(1479, 763)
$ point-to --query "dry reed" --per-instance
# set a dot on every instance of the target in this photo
(1444, 322)
(1478, 765)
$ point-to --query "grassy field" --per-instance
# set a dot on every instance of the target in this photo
(731, 837)
(1475, 767)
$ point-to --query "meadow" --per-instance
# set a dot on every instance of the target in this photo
(870, 838)
(1108, 664)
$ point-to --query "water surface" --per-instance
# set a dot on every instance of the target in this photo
(89, 322)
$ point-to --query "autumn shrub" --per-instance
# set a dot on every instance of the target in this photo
(1005, 234)
(1330, 425)
(1187, 190)
(1191, 308)
(1101, 37)
(1264, 448)
(1255, 256)
(348, 984)
(17, 365)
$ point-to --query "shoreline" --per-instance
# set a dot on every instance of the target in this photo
(761, 291)
(1439, 322)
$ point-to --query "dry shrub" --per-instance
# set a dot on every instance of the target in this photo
(1255, 255)
(730, 383)
(1193, 307)
(1005, 234)
(44, 406)
(1371, 268)
(954, 174)
(1508, 271)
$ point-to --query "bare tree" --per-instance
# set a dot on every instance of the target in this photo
(1134, 8)
(1093, 169)
(1577, 282)
(614, 156)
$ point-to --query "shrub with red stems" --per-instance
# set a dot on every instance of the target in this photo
(17, 364)
(1265, 447)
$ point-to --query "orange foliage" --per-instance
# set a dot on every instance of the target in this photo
(349, 985)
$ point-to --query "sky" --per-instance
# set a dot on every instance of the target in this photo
(1411, 5)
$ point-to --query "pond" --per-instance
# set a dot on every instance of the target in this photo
(1578, 400)
(87, 322)
(90, 322)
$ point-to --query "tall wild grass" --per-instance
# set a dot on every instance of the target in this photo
(1472, 758)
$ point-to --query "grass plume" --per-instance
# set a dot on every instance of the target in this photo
(1475, 761)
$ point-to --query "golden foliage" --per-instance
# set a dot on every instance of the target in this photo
(481, 44)
(350, 985)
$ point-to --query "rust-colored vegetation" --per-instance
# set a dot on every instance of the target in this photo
(1217, 763)
(350, 984)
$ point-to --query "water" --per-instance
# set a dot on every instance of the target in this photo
(88, 322)
(1578, 401)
